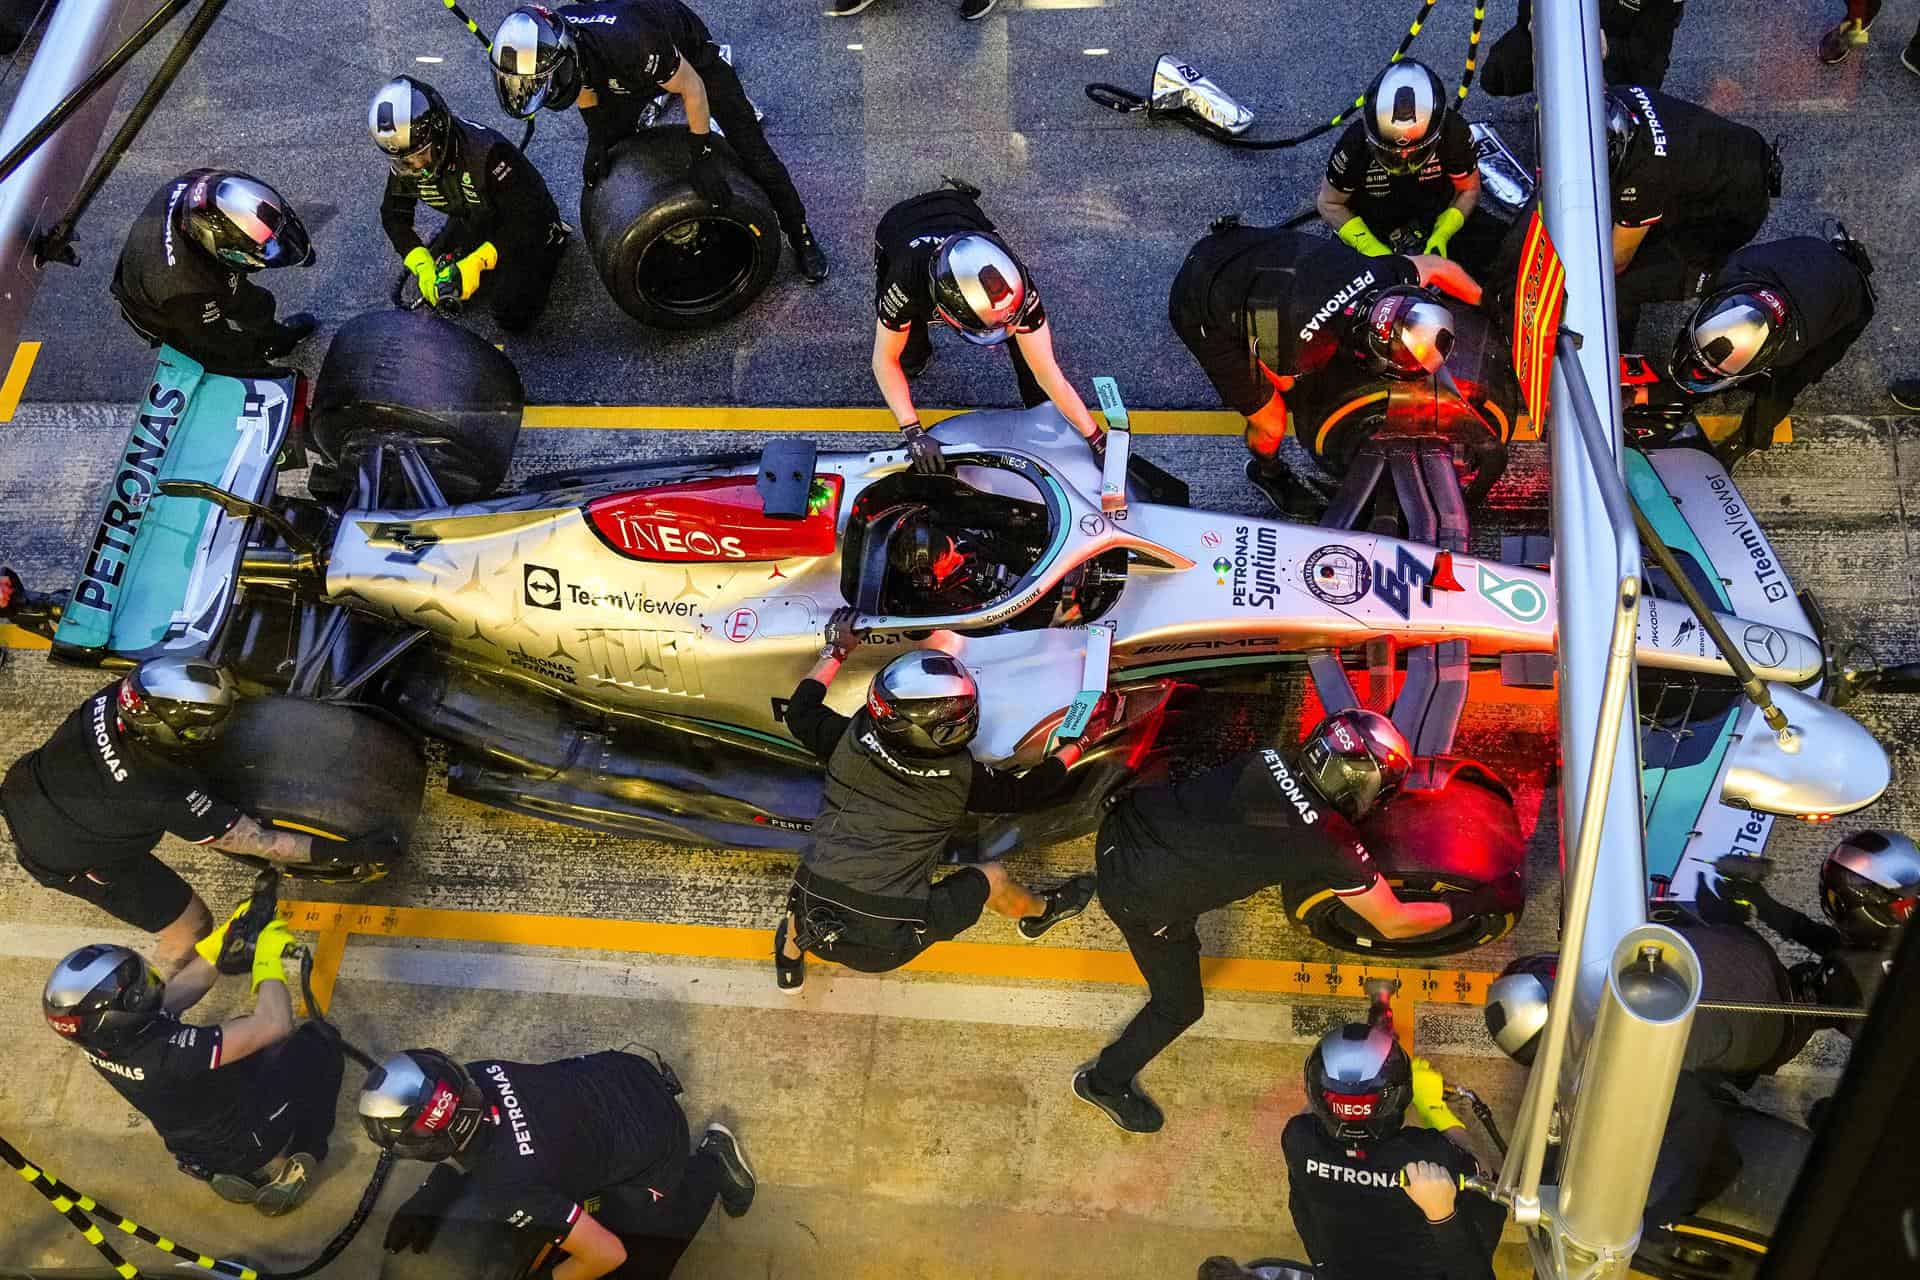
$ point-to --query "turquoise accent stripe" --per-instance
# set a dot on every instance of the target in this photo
(1657, 505)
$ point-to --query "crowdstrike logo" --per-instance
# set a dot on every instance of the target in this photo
(1334, 305)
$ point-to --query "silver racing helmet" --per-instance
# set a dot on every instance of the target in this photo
(978, 287)
(172, 703)
(1733, 335)
(1355, 759)
(535, 62)
(925, 703)
(1516, 1008)
(421, 1105)
(1869, 886)
(101, 996)
(1408, 332)
(409, 120)
(1359, 1082)
(1404, 111)
(244, 223)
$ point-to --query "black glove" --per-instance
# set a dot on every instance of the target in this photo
(1720, 903)
(1097, 446)
(416, 1222)
(376, 846)
(708, 177)
(593, 165)
(1487, 900)
(841, 636)
(924, 450)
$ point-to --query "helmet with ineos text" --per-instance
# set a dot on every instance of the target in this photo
(925, 703)
(244, 223)
(1359, 1082)
(1355, 759)
(1624, 122)
(421, 1105)
(409, 120)
(1516, 1007)
(1408, 332)
(1733, 335)
(102, 995)
(172, 703)
(1404, 112)
(978, 287)
(1869, 885)
(535, 62)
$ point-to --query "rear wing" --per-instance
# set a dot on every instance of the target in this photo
(157, 576)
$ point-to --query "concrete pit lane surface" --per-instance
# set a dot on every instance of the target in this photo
(919, 1124)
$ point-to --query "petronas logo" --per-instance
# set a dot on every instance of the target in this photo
(1519, 599)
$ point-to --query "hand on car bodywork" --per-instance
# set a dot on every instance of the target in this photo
(841, 636)
(923, 450)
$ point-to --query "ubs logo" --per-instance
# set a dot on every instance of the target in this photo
(542, 587)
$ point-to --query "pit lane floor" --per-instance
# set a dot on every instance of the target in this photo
(917, 1125)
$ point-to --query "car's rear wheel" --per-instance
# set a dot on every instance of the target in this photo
(1700, 1249)
(411, 373)
(667, 257)
(330, 771)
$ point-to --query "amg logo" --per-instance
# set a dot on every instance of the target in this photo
(1332, 306)
(133, 487)
(1289, 785)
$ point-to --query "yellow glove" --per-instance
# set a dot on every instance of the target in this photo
(1449, 221)
(268, 952)
(1429, 1100)
(1359, 235)
(485, 258)
(419, 260)
(208, 948)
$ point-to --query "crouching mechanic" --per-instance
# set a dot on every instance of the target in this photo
(937, 258)
(1371, 1195)
(1405, 173)
(503, 233)
(87, 807)
(588, 1155)
(610, 59)
(900, 780)
(245, 1106)
(1779, 316)
(1261, 308)
(181, 278)
(1167, 855)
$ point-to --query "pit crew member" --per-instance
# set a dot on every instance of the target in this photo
(87, 807)
(245, 1106)
(181, 278)
(503, 235)
(938, 259)
(532, 1145)
(1167, 855)
(900, 780)
(1370, 1194)
(610, 59)
(1636, 43)
(1406, 173)
(1261, 308)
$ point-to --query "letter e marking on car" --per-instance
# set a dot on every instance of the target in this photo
(740, 625)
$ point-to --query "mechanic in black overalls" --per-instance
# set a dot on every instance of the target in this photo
(611, 59)
(1636, 43)
(1372, 1196)
(938, 259)
(1262, 307)
(588, 1155)
(1778, 315)
(900, 780)
(1169, 854)
(502, 229)
(1688, 188)
(1405, 173)
(181, 278)
(87, 807)
(246, 1106)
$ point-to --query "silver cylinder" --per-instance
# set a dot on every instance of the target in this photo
(1626, 1088)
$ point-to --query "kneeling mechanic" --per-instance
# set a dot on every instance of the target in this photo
(899, 781)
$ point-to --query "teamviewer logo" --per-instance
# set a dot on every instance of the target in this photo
(542, 587)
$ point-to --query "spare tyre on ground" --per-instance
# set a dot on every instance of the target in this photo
(668, 258)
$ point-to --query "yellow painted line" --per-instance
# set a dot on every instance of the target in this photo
(336, 920)
(327, 954)
(15, 382)
(14, 638)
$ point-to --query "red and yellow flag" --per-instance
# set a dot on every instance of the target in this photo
(1538, 301)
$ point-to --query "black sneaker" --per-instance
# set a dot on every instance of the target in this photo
(1063, 903)
(974, 10)
(790, 974)
(736, 1191)
(807, 255)
(1906, 391)
(289, 1187)
(846, 8)
(1131, 1109)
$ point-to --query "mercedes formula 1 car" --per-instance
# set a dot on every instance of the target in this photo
(613, 647)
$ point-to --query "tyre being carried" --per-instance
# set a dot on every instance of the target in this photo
(669, 258)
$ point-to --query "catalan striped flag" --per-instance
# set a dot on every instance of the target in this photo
(1538, 301)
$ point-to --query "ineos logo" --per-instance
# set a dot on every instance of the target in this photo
(542, 587)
